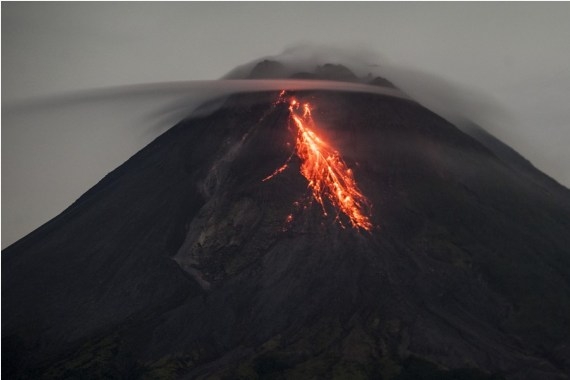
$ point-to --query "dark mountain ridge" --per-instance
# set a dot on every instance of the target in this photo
(178, 263)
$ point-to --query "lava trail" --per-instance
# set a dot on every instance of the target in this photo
(328, 176)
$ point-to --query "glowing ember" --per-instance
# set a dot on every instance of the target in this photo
(328, 175)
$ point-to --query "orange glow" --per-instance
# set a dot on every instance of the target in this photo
(328, 175)
(279, 170)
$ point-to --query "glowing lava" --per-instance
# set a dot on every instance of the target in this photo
(328, 175)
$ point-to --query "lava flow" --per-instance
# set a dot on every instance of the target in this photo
(328, 175)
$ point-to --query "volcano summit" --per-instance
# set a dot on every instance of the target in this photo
(299, 235)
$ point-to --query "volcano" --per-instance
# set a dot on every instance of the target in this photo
(210, 255)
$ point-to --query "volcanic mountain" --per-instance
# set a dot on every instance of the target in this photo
(226, 250)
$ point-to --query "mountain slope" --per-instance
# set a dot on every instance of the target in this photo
(179, 263)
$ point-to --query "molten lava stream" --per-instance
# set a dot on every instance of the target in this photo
(328, 175)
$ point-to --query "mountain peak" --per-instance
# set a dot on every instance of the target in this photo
(337, 72)
(273, 69)
(267, 69)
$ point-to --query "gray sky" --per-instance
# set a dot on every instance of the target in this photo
(505, 65)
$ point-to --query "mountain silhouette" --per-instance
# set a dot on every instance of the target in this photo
(184, 263)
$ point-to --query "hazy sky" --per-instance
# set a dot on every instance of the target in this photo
(511, 62)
